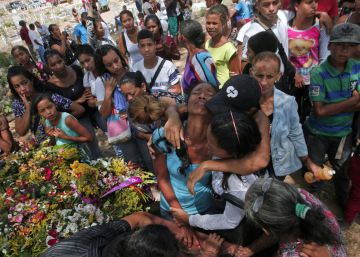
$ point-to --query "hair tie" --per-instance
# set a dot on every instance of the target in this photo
(301, 210)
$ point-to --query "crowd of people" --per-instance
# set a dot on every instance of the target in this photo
(269, 88)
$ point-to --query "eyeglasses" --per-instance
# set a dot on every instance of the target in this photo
(260, 199)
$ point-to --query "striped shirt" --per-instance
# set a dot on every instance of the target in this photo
(89, 242)
(201, 68)
(328, 85)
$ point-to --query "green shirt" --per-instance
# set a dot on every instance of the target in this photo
(222, 56)
(328, 85)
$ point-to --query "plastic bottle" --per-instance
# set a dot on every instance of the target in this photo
(325, 173)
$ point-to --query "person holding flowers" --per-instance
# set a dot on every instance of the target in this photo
(61, 125)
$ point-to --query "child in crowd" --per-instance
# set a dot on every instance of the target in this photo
(24, 58)
(222, 51)
(63, 126)
(86, 56)
(146, 114)
(334, 100)
(264, 41)
(307, 48)
(165, 45)
(161, 75)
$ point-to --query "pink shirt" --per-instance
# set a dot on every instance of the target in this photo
(307, 48)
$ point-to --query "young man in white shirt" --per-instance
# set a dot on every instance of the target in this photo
(37, 42)
(161, 75)
(269, 15)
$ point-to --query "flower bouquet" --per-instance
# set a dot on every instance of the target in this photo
(47, 194)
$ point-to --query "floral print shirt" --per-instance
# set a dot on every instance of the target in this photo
(37, 123)
(290, 249)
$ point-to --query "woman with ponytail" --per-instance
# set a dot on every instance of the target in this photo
(295, 217)
(199, 67)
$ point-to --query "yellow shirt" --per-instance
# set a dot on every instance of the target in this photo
(222, 56)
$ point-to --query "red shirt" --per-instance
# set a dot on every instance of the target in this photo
(329, 6)
(24, 34)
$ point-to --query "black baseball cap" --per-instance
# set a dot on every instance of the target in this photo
(240, 93)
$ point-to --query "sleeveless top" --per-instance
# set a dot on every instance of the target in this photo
(62, 125)
(133, 50)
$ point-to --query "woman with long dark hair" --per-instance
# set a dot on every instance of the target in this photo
(68, 82)
(24, 58)
(24, 87)
(112, 67)
(127, 41)
(173, 166)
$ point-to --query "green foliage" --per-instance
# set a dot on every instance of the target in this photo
(5, 60)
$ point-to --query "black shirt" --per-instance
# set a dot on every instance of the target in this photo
(89, 242)
(69, 55)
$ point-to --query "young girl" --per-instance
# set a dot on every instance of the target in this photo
(24, 58)
(86, 56)
(128, 44)
(308, 46)
(222, 51)
(230, 135)
(165, 45)
(61, 125)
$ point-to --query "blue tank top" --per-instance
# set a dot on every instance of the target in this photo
(62, 125)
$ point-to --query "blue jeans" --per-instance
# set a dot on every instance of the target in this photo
(318, 147)
(41, 51)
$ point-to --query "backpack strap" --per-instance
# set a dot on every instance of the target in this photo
(152, 82)
(233, 200)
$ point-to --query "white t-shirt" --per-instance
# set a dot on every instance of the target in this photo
(35, 36)
(43, 31)
(280, 29)
(99, 91)
(89, 81)
(168, 76)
